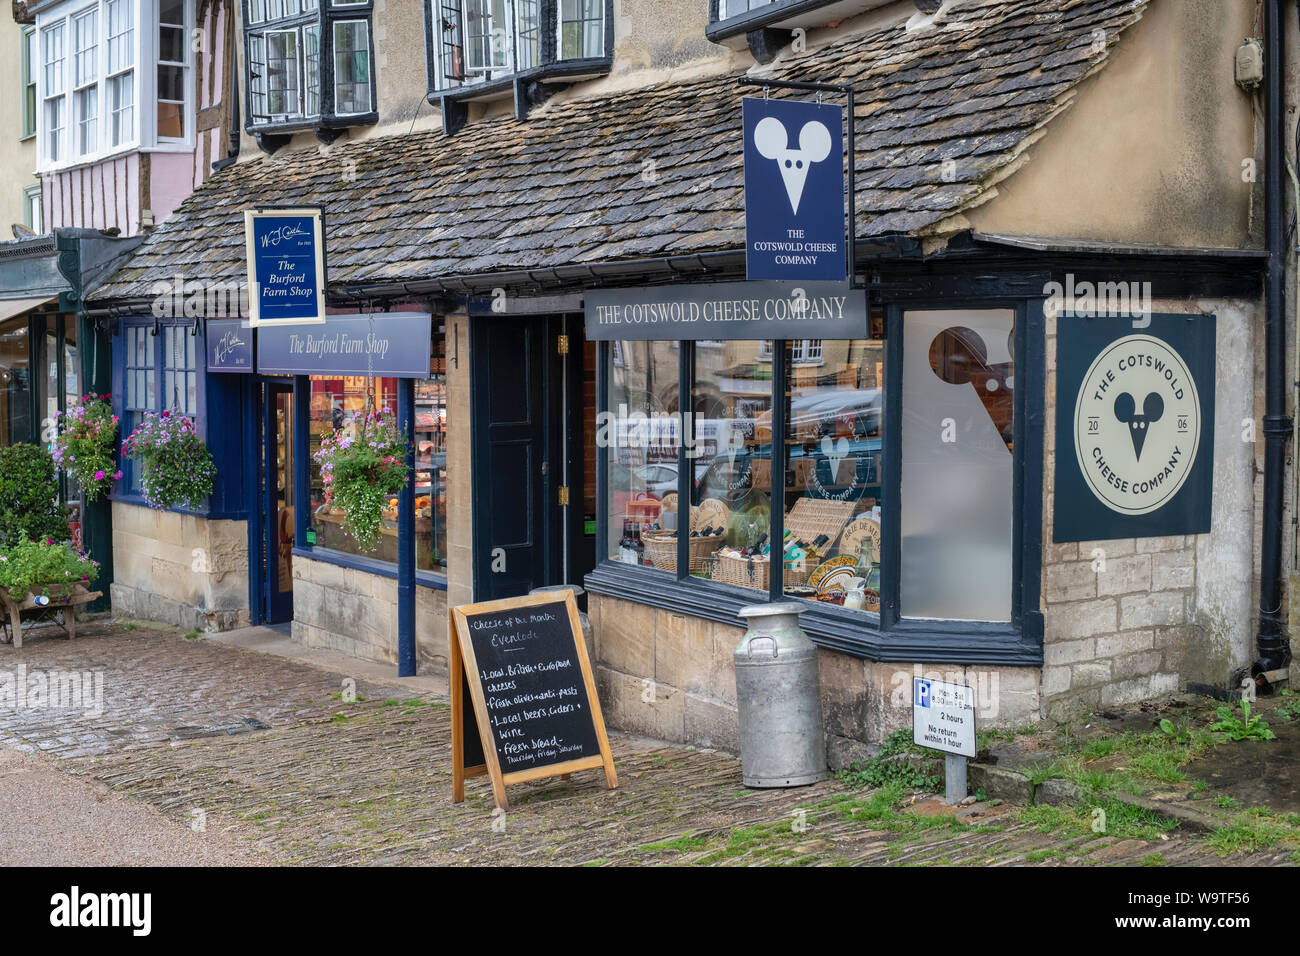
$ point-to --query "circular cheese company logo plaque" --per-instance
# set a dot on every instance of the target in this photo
(1137, 424)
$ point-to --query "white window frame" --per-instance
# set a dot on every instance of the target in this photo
(141, 133)
(86, 89)
(186, 64)
(299, 67)
(54, 145)
(114, 72)
(33, 213)
(725, 14)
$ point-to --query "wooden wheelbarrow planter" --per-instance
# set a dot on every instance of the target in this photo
(69, 605)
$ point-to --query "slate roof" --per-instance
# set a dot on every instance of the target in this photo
(566, 185)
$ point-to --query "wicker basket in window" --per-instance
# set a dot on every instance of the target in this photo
(661, 546)
(753, 572)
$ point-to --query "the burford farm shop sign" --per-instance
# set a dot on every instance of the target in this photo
(392, 344)
(286, 266)
(1135, 427)
(728, 310)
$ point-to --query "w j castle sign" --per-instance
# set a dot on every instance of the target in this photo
(1134, 427)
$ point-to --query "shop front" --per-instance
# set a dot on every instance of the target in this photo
(51, 355)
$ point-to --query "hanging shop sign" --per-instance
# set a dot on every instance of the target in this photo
(794, 190)
(391, 344)
(230, 346)
(1134, 426)
(523, 699)
(728, 310)
(286, 266)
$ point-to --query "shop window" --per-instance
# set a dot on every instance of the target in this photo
(287, 41)
(158, 372)
(15, 383)
(338, 403)
(957, 474)
(909, 534)
(86, 80)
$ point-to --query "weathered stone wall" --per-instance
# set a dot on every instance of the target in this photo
(671, 676)
(180, 569)
(1131, 619)
(355, 613)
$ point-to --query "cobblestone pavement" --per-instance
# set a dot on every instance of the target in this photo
(327, 782)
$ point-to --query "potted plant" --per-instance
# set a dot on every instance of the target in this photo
(45, 574)
(360, 466)
(86, 445)
(176, 467)
(29, 496)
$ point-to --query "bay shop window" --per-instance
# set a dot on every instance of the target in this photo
(309, 64)
(338, 403)
(113, 75)
(875, 480)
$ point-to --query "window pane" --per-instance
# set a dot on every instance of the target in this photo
(15, 383)
(87, 104)
(732, 448)
(431, 463)
(451, 40)
(85, 35)
(528, 33)
(53, 55)
(121, 93)
(311, 86)
(487, 31)
(582, 29)
(351, 67)
(833, 459)
(957, 531)
(640, 439)
(282, 72)
(336, 405)
(121, 35)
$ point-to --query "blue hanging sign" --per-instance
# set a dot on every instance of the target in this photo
(286, 266)
(389, 344)
(794, 190)
(230, 346)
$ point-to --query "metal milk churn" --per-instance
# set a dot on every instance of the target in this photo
(779, 699)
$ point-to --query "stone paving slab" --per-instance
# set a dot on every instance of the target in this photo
(329, 783)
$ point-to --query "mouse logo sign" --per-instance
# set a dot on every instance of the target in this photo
(794, 190)
(1141, 429)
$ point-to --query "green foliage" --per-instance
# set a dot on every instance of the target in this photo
(29, 496)
(176, 468)
(360, 468)
(44, 567)
(882, 771)
(1245, 727)
(86, 445)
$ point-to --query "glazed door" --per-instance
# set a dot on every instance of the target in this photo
(277, 500)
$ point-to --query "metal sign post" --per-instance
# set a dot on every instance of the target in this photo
(943, 718)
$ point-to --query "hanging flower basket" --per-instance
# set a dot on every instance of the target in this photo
(360, 467)
(176, 467)
(86, 445)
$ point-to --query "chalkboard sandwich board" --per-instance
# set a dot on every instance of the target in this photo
(523, 699)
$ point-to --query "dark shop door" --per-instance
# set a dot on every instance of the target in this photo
(277, 500)
(526, 409)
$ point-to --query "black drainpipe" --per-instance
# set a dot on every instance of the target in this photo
(1272, 641)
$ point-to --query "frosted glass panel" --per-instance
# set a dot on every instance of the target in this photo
(956, 497)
